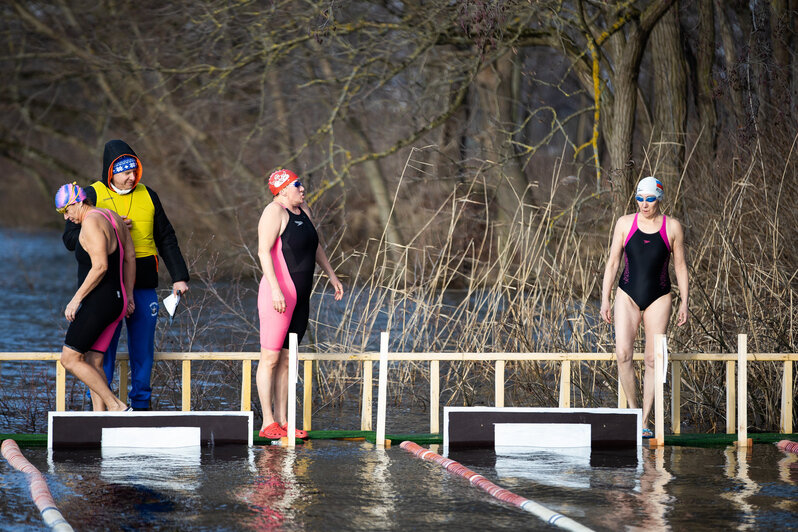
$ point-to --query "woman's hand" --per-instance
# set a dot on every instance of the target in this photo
(131, 306)
(606, 310)
(278, 301)
(682, 316)
(72, 309)
(339, 288)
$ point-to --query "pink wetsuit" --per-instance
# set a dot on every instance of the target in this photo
(294, 259)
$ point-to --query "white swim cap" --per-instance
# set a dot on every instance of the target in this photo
(650, 186)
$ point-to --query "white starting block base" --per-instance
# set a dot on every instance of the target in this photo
(541, 435)
(150, 437)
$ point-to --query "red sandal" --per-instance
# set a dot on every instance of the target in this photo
(272, 432)
(301, 434)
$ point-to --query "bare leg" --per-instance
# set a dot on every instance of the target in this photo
(265, 381)
(281, 388)
(655, 321)
(91, 377)
(96, 359)
(627, 321)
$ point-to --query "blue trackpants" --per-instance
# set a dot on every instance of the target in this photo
(140, 345)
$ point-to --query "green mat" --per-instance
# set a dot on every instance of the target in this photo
(722, 440)
(367, 435)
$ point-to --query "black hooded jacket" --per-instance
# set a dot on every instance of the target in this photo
(163, 233)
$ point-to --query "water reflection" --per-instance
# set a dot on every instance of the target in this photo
(273, 491)
(375, 477)
(737, 458)
(176, 469)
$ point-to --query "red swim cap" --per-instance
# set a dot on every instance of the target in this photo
(281, 179)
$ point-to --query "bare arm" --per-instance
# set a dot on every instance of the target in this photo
(680, 266)
(616, 251)
(94, 241)
(324, 263)
(269, 228)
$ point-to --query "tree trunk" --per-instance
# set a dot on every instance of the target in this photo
(670, 99)
(705, 58)
(495, 133)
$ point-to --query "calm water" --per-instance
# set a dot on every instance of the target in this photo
(327, 485)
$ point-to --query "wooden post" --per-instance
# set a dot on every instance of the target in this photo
(434, 396)
(367, 396)
(498, 385)
(124, 367)
(742, 391)
(186, 406)
(60, 386)
(293, 344)
(565, 384)
(731, 425)
(786, 398)
(307, 395)
(382, 391)
(246, 385)
(659, 392)
(676, 396)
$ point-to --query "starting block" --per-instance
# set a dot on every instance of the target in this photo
(543, 428)
(147, 429)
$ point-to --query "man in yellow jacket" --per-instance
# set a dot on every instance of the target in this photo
(120, 190)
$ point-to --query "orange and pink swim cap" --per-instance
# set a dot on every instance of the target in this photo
(281, 179)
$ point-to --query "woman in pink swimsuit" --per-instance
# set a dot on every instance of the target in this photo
(289, 249)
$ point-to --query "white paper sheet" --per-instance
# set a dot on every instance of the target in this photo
(170, 303)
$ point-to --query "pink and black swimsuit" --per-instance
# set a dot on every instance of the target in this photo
(645, 275)
(294, 259)
(104, 307)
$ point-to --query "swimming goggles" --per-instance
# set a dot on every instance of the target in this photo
(297, 183)
(647, 199)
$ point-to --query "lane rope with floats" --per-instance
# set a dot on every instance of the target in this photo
(39, 491)
(551, 517)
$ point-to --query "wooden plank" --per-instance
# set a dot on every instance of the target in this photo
(659, 392)
(730, 397)
(60, 386)
(307, 394)
(565, 384)
(676, 396)
(124, 367)
(246, 385)
(186, 374)
(742, 390)
(367, 395)
(434, 397)
(424, 357)
(498, 384)
(786, 398)
(293, 366)
(382, 391)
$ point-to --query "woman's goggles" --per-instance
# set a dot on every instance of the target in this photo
(647, 199)
(297, 183)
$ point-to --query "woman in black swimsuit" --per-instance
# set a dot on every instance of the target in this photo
(104, 297)
(646, 241)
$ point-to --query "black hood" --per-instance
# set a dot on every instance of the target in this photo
(114, 149)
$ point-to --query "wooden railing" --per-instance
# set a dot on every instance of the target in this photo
(567, 361)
